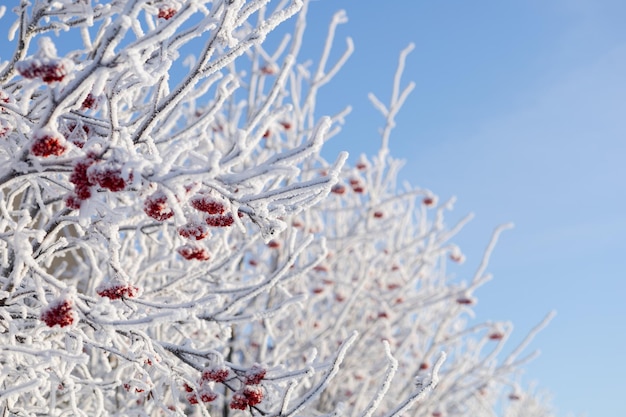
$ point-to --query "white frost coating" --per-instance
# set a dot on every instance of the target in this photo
(189, 230)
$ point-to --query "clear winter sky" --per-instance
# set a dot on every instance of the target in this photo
(520, 112)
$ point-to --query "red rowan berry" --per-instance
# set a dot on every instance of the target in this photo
(220, 221)
(197, 231)
(254, 394)
(156, 207)
(378, 214)
(254, 375)
(192, 398)
(207, 204)
(338, 189)
(108, 175)
(207, 395)
(58, 312)
(464, 301)
(47, 142)
(239, 401)
(49, 70)
(217, 373)
(117, 290)
(190, 252)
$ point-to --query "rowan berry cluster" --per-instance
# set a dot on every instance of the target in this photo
(118, 291)
(47, 142)
(58, 313)
(156, 207)
(190, 252)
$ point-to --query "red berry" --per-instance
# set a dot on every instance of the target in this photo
(49, 70)
(424, 366)
(190, 252)
(118, 291)
(166, 13)
(254, 375)
(192, 398)
(89, 102)
(108, 175)
(286, 125)
(338, 189)
(207, 204)
(207, 395)
(464, 301)
(47, 142)
(378, 214)
(361, 166)
(58, 312)
(197, 231)
(496, 336)
(82, 184)
(72, 201)
(156, 207)
(428, 201)
(254, 394)
(220, 221)
(217, 374)
(239, 401)
(187, 388)
(273, 244)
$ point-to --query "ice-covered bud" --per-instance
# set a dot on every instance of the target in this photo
(59, 313)
(48, 142)
(156, 206)
(190, 252)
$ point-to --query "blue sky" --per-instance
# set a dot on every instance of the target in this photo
(520, 112)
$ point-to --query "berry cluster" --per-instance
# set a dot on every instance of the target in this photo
(156, 207)
(216, 374)
(82, 183)
(190, 252)
(220, 221)
(118, 291)
(47, 142)
(49, 70)
(254, 375)
(108, 176)
(193, 230)
(59, 313)
(207, 204)
(166, 13)
(247, 396)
